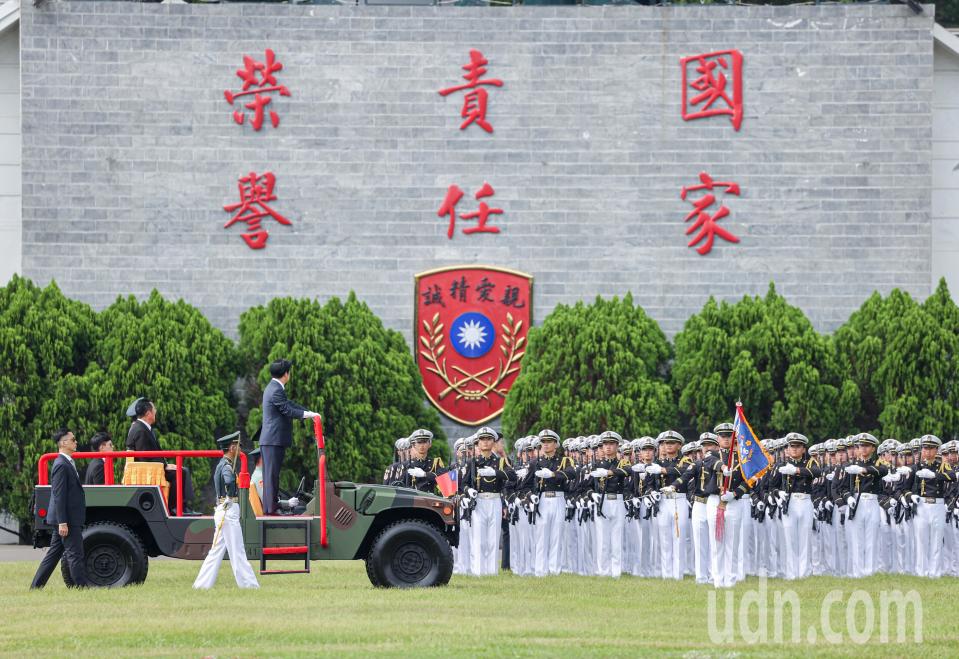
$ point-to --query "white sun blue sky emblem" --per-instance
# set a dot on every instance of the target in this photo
(472, 334)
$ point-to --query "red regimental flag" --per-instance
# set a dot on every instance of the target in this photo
(470, 331)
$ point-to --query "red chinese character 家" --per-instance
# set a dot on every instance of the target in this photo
(713, 85)
(258, 80)
(706, 223)
(448, 207)
(255, 192)
(475, 100)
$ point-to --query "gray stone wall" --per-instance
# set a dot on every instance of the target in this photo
(130, 152)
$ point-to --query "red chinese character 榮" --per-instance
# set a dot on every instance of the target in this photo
(706, 223)
(475, 100)
(718, 87)
(255, 192)
(448, 207)
(258, 80)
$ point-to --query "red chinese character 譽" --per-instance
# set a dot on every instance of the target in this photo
(448, 207)
(714, 86)
(706, 223)
(255, 192)
(259, 76)
(475, 100)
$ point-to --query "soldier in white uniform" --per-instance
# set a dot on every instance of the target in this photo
(228, 536)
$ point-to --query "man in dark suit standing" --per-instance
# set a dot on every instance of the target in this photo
(277, 430)
(142, 437)
(100, 442)
(67, 511)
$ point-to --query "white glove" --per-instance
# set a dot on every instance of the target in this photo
(486, 472)
(789, 470)
(635, 501)
(656, 496)
(891, 477)
(293, 502)
(729, 496)
(544, 473)
(760, 506)
(521, 473)
(596, 497)
(855, 470)
(669, 489)
(925, 474)
(599, 473)
(851, 501)
(781, 497)
(464, 503)
(654, 469)
(471, 493)
(416, 472)
(892, 504)
(904, 470)
(534, 499)
(830, 475)
(828, 505)
(309, 415)
(727, 472)
(638, 468)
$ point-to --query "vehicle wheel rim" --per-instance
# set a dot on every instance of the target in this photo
(106, 565)
(411, 562)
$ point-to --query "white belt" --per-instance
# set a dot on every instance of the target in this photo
(800, 495)
(930, 501)
(612, 496)
(489, 495)
(673, 495)
(868, 496)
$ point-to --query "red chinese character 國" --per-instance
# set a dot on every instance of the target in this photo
(706, 223)
(255, 192)
(475, 100)
(453, 195)
(258, 76)
(713, 86)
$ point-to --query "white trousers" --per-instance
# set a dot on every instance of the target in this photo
(797, 537)
(463, 559)
(700, 537)
(863, 536)
(487, 517)
(609, 538)
(673, 526)
(929, 525)
(229, 539)
(724, 554)
(549, 535)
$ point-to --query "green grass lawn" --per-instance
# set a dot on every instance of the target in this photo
(335, 611)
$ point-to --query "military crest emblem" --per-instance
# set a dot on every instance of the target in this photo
(470, 331)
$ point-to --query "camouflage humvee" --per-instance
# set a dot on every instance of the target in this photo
(405, 536)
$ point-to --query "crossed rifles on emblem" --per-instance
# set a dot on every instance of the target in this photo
(511, 348)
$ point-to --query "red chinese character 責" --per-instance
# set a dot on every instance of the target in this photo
(258, 80)
(475, 100)
(713, 85)
(706, 223)
(255, 192)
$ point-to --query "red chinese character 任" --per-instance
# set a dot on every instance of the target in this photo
(255, 192)
(454, 194)
(260, 76)
(713, 85)
(474, 101)
(705, 222)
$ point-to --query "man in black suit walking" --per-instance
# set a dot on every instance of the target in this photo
(277, 430)
(142, 437)
(67, 511)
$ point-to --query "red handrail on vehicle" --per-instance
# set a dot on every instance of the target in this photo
(242, 478)
(321, 476)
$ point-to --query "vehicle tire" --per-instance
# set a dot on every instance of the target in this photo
(115, 556)
(410, 554)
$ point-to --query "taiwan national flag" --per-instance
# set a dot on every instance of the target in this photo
(753, 458)
(447, 482)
